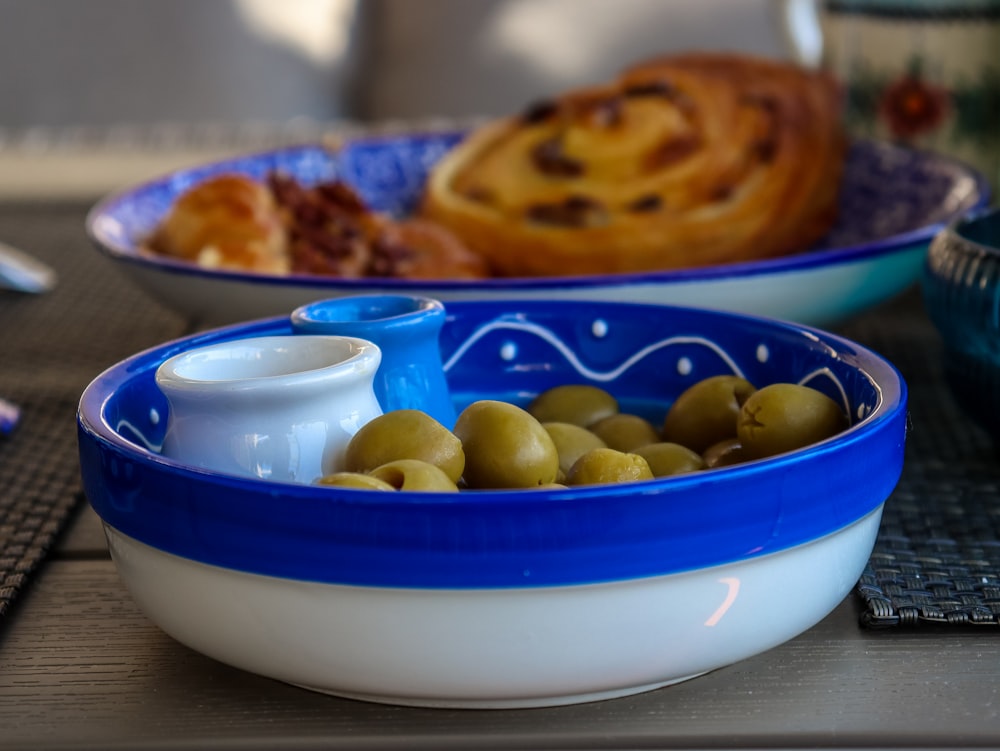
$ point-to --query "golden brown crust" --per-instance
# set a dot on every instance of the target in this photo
(432, 252)
(227, 222)
(683, 161)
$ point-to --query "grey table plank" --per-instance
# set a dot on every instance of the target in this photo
(83, 535)
(81, 667)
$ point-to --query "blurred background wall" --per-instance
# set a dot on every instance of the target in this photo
(494, 56)
(103, 62)
(96, 95)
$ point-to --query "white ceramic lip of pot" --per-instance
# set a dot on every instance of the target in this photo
(262, 362)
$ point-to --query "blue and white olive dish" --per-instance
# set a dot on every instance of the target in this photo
(961, 288)
(504, 598)
(893, 200)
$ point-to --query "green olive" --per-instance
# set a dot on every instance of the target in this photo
(354, 480)
(604, 466)
(785, 417)
(579, 404)
(624, 432)
(505, 447)
(706, 412)
(414, 475)
(665, 459)
(572, 442)
(405, 434)
(725, 453)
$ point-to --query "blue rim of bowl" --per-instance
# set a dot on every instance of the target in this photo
(821, 257)
(490, 539)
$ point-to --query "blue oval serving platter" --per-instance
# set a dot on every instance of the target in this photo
(893, 201)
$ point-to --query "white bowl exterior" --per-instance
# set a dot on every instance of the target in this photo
(811, 295)
(495, 648)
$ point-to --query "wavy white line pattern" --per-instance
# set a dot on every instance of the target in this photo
(821, 372)
(549, 336)
(124, 425)
(508, 351)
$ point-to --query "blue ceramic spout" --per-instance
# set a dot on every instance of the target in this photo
(406, 329)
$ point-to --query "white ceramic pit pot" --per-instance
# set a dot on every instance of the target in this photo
(276, 407)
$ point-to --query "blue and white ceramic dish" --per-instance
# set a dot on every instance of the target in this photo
(893, 201)
(509, 598)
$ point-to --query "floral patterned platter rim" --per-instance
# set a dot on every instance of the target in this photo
(893, 201)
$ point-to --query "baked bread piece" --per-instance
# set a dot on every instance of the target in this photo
(684, 161)
(225, 222)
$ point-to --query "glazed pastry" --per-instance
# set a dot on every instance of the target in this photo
(225, 222)
(419, 249)
(332, 232)
(329, 228)
(683, 161)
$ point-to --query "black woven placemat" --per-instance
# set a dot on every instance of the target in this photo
(937, 557)
(51, 347)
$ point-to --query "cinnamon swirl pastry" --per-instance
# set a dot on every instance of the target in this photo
(683, 161)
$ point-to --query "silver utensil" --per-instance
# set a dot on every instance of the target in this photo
(24, 273)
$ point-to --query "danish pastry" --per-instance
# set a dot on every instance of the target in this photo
(682, 161)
